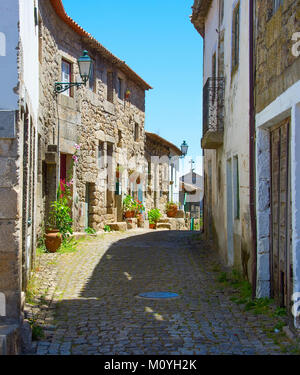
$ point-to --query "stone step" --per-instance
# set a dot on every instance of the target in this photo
(118, 227)
(163, 226)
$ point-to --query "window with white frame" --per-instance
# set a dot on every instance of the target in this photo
(236, 37)
(110, 87)
(66, 75)
(92, 80)
(236, 188)
(120, 88)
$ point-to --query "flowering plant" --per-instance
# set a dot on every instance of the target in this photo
(66, 184)
(140, 206)
(129, 204)
(60, 215)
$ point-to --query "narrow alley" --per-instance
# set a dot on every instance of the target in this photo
(87, 301)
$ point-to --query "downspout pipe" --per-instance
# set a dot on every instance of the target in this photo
(252, 160)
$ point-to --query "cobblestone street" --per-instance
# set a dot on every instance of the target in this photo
(89, 305)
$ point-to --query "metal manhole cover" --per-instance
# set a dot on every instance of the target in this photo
(158, 295)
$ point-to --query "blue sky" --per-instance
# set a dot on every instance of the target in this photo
(158, 41)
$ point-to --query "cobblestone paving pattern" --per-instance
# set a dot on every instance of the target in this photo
(88, 302)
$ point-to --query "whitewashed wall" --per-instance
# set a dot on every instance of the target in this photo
(9, 39)
(236, 125)
(287, 104)
(29, 40)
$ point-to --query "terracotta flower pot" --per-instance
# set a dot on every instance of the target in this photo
(172, 211)
(152, 226)
(129, 214)
(53, 240)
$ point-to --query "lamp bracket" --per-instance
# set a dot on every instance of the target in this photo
(64, 86)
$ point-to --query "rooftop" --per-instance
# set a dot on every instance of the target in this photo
(60, 11)
(159, 139)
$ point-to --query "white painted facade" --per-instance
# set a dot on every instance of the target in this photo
(233, 232)
(9, 40)
(175, 166)
(30, 44)
(19, 103)
(18, 30)
(286, 105)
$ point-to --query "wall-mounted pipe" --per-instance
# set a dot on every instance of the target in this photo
(252, 160)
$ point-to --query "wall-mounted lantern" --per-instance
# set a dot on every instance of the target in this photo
(184, 148)
(85, 65)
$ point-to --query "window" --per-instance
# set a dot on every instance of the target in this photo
(194, 178)
(236, 187)
(276, 5)
(149, 173)
(92, 83)
(236, 37)
(40, 43)
(214, 72)
(214, 65)
(100, 156)
(66, 73)
(120, 88)
(136, 132)
(221, 10)
(110, 87)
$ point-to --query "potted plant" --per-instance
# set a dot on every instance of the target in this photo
(130, 207)
(154, 215)
(127, 94)
(60, 224)
(172, 209)
(140, 215)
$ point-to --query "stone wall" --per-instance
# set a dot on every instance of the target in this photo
(156, 154)
(89, 119)
(276, 67)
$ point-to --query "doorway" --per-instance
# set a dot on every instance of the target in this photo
(230, 243)
(280, 258)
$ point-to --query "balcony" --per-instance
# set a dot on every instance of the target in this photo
(200, 10)
(213, 113)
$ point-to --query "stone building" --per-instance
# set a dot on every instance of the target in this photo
(162, 182)
(39, 131)
(191, 193)
(18, 144)
(277, 107)
(108, 126)
(224, 26)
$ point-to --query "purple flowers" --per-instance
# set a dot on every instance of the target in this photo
(70, 183)
(75, 158)
(77, 147)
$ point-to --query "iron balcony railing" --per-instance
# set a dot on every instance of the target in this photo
(213, 105)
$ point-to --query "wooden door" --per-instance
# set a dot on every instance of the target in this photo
(280, 260)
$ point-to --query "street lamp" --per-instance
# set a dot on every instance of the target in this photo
(85, 65)
(184, 148)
